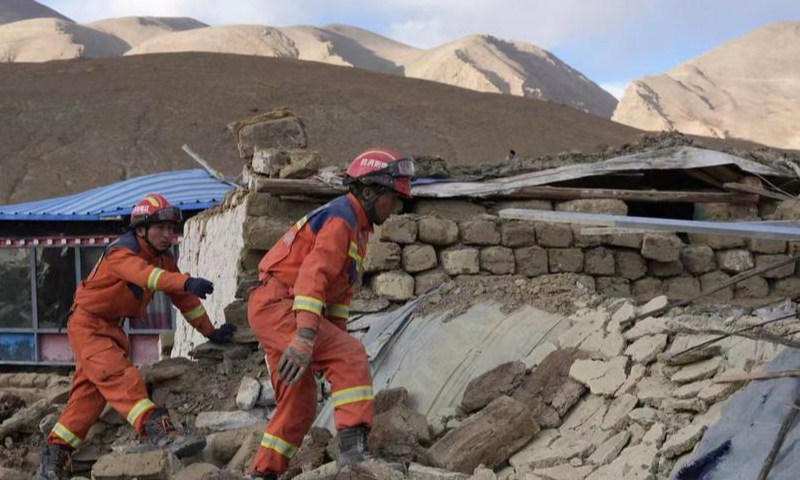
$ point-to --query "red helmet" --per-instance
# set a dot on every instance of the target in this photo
(154, 209)
(385, 167)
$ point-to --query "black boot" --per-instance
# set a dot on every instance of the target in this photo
(353, 445)
(160, 432)
(56, 463)
(263, 476)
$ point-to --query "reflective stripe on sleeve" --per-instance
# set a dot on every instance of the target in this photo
(138, 409)
(337, 310)
(63, 433)
(310, 304)
(152, 279)
(194, 313)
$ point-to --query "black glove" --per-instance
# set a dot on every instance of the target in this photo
(199, 287)
(223, 334)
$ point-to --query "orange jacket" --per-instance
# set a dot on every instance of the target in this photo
(126, 277)
(320, 258)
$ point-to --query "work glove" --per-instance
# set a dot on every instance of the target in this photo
(199, 287)
(297, 357)
(222, 334)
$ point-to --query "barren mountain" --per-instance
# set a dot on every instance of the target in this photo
(477, 62)
(481, 63)
(16, 10)
(135, 30)
(73, 125)
(747, 88)
(45, 39)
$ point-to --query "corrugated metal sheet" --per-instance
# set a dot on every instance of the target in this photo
(187, 189)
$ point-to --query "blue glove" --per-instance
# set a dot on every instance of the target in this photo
(199, 287)
(223, 334)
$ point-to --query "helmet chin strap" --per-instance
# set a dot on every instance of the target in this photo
(369, 203)
(146, 238)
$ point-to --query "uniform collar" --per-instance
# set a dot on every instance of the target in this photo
(363, 222)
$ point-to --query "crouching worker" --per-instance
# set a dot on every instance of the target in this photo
(299, 312)
(121, 286)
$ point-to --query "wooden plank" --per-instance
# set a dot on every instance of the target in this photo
(699, 174)
(740, 187)
(652, 196)
(745, 377)
(724, 173)
(310, 187)
(734, 229)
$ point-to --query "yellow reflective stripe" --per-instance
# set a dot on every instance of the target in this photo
(138, 409)
(311, 304)
(152, 279)
(301, 222)
(64, 434)
(337, 310)
(352, 395)
(194, 313)
(353, 252)
(279, 445)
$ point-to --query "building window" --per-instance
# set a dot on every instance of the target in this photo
(55, 285)
(15, 288)
(37, 287)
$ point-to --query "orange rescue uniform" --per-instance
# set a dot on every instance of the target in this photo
(307, 281)
(120, 286)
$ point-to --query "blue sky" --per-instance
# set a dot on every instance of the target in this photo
(610, 41)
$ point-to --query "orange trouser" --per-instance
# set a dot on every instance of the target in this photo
(103, 374)
(341, 358)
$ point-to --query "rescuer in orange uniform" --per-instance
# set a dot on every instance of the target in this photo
(121, 286)
(299, 312)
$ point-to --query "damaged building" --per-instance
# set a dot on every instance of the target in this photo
(583, 316)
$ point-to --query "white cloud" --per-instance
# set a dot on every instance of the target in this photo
(615, 88)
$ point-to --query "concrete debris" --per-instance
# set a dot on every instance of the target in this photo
(609, 450)
(697, 371)
(683, 440)
(248, 395)
(221, 421)
(154, 465)
(645, 349)
(602, 377)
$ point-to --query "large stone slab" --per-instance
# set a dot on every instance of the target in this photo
(220, 421)
(602, 377)
(154, 465)
(548, 391)
(501, 380)
(488, 438)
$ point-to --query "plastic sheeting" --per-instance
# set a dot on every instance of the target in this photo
(751, 420)
(435, 359)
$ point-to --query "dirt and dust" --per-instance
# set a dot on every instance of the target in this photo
(562, 293)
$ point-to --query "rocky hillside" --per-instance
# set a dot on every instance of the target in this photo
(476, 62)
(747, 88)
(74, 125)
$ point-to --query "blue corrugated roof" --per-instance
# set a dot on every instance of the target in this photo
(186, 189)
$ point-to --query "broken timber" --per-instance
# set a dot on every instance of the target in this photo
(787, 425)
(315, 187)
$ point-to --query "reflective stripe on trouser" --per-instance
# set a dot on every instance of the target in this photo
(341, 357)
(103, 374)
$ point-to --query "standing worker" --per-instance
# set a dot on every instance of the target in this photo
(121, 286)
(299, 312)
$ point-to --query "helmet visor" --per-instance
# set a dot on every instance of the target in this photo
(400, 168)
(169, 214)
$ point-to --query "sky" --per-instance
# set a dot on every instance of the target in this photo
(610, 41)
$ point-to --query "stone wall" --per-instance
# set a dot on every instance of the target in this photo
(444, 239)
(211, 247)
